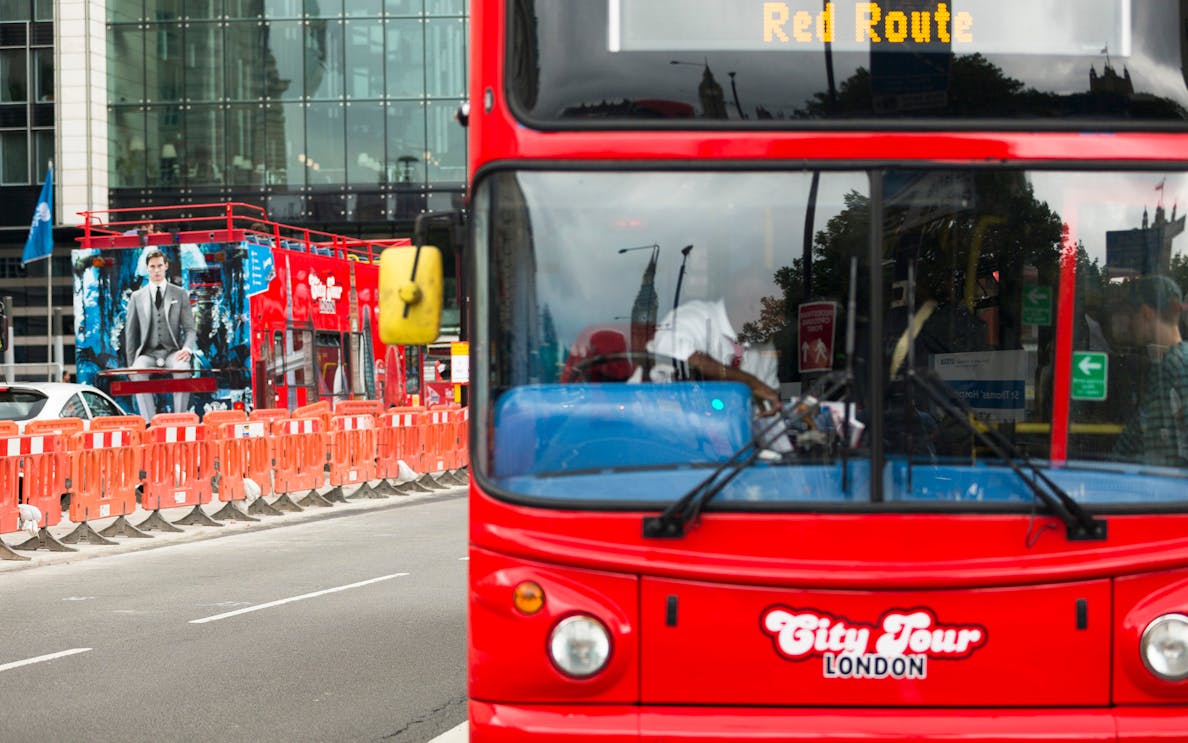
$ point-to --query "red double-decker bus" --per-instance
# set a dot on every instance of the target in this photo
(828, 371)
(283, 316)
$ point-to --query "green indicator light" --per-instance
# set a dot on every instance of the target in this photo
(717, 404)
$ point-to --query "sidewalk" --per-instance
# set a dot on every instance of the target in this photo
(157, 538)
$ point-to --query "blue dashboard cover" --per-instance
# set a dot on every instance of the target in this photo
(553, 429)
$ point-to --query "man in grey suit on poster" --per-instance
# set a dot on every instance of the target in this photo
(159, 332)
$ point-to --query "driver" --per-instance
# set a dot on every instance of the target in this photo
(704, 334)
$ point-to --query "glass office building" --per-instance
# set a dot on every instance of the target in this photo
(336, 115)
(329, 112)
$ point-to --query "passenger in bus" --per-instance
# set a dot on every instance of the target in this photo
(159, 332)
(1158, 429)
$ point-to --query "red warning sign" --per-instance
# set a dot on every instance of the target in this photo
(817, 320)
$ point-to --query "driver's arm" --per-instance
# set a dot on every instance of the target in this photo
(765, 397)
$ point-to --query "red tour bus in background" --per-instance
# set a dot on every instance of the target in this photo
(945, 239)
(284, 316)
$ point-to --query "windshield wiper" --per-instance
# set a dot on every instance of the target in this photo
(675, 519)
(1079, 524)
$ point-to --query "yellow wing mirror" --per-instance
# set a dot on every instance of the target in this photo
(410, 295)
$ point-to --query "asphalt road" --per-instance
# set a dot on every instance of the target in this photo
(345, 628)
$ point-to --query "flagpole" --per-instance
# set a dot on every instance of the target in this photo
(49, 299)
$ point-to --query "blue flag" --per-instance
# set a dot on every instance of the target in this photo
(41, 234)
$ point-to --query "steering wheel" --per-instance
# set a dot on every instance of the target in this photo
(580, 372)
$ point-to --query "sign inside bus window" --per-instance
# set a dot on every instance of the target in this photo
(899, 646)
(1097, 27)
(326, 293)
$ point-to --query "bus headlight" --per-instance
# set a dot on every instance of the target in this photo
(1164, 647)
(579, 646)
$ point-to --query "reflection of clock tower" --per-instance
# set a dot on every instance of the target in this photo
(713, 98)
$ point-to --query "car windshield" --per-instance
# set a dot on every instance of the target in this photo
(20, 405)
(641, 325)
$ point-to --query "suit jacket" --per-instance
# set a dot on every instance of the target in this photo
(177, 311)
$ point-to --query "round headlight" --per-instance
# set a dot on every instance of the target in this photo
(1164, 647)
(579, 646)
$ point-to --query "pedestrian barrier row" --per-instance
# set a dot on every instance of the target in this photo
(312, 456)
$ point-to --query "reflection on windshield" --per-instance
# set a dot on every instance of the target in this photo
(1051, 304)
(756, 64)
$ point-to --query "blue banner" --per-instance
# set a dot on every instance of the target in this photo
(41, 234)
(260, 269)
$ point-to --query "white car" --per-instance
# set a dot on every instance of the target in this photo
(26, 401)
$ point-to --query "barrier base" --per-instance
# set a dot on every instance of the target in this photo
(121, 527)
(363, 492)
(412, 486)
(429, 482)
(335, 495)
(197, 517)
(156, 522)
(386, 487)
(6, 553)
(285, 503)
(375, 492)
(313, 498)
(457, 477)
(260, 506)
(45, 540)
(85, 533)
(230, 512)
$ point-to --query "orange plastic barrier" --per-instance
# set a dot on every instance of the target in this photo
(458, 422)
(105, 470)
(439, 440)
(9, 428)
(389, 446)
(352, 449)
(64, 426)
(320, 410)
(373, 408)
(299, 454)
(216, 418)
(269, 415)
(179, 463)
(411, 423)
(175, 419)
(10, 468)
(244, 452)
(42, 472)
(113, 422)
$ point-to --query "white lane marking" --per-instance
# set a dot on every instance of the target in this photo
(42, 658)
(463, 559)
(459, 734)
(291, 599)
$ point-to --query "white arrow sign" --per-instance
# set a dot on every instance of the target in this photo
(1088, 365)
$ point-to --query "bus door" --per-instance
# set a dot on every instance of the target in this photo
(333, 368)
(269, 374)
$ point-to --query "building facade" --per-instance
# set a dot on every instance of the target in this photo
(337, 115)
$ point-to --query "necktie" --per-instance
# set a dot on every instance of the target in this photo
(160, 297)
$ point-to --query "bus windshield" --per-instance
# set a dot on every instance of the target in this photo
(1023, 63)
(863, 329)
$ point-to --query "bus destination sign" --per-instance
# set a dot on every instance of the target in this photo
(964, 26)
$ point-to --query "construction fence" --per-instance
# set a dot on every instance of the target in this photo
(263, 463)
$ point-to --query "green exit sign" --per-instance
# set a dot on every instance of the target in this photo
(1090, 373)
(1037, 305)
